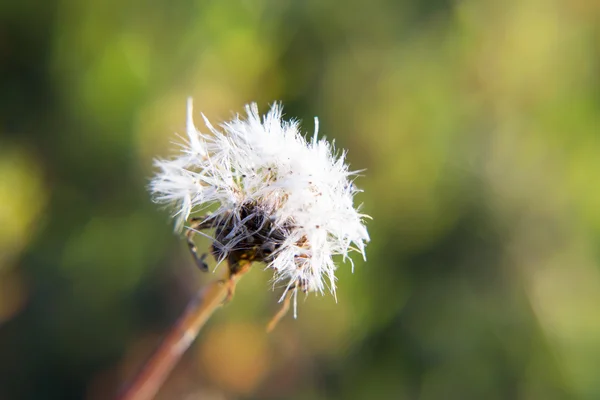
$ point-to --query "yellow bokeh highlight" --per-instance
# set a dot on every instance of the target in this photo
(235, 356)
(23, 198)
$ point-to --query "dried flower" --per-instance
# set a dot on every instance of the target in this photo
(280, 198)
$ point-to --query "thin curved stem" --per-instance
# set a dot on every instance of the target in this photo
(156, 370)
(282, 311)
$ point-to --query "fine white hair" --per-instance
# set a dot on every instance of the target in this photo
(303, 187)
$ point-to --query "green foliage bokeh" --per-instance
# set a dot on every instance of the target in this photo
(477, 124)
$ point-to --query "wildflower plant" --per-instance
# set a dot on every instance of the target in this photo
(281, 199)
(276, 197)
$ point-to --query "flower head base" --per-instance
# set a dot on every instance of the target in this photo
(280, 199)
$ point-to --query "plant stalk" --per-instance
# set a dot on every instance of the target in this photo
(156, 370)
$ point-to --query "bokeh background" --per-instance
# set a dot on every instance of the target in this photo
(478, 124)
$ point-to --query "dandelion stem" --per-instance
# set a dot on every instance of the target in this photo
(156, 370)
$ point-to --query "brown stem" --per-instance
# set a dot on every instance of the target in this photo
(282, 311)
(156, 370)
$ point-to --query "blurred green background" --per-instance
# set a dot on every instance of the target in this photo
(478, 123)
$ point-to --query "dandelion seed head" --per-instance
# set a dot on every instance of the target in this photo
(288, 198)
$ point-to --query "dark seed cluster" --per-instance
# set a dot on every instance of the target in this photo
(248, 234)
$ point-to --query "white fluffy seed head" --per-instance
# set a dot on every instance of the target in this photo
(298, 193)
